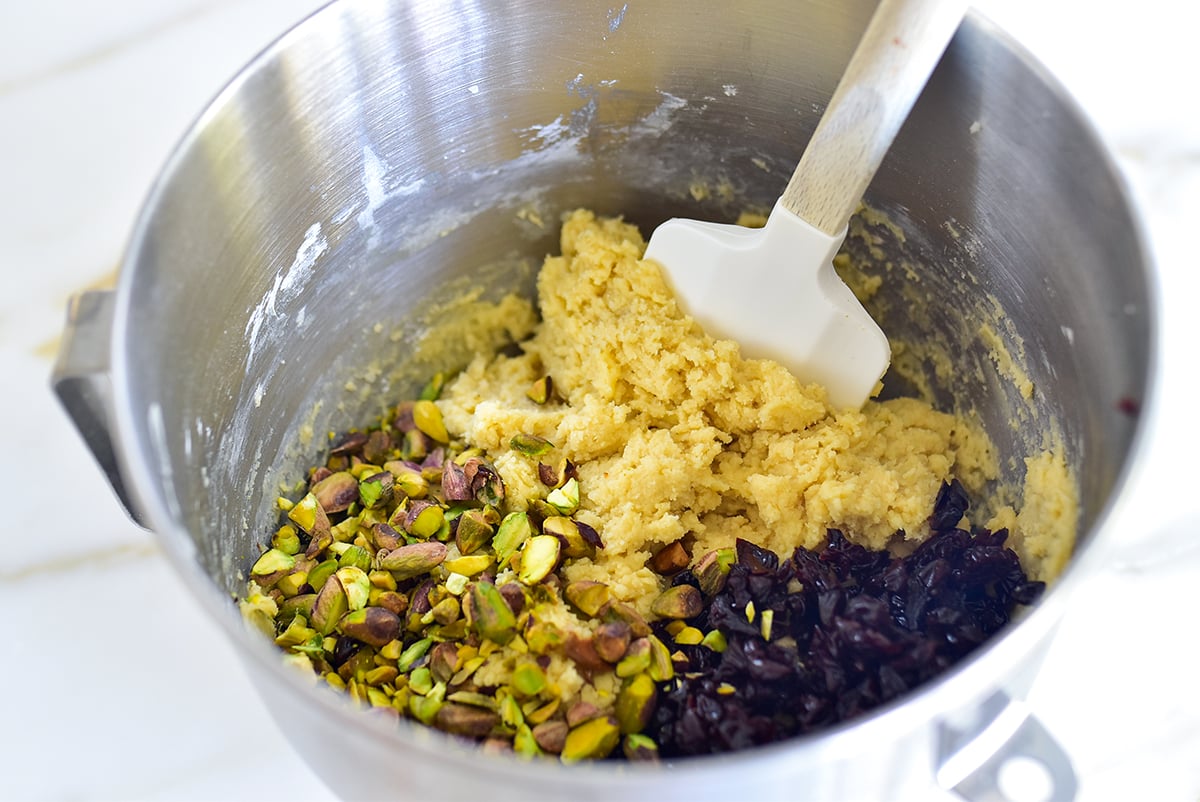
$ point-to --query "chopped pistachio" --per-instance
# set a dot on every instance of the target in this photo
(725, 689)
(635, 703)
(524, 743)
(469, 565)
(510, 712)
(542, 636)
(765, 622)
(392, 649)
(580, 712)
(474, 532)
(541, 390)
(587, 596)
(465, 720)
(296, 633)
(468, 668)
(424, 708)
(424, 519)
(433, 388)
(373, 626)
(382, 580)
(407, 479)
(414, 560)
(670, 559)
(539, 558)
(636, 660)
(594, 739)
(750, 611)
(456, 583)
(421, 680)
(336, 492)
(661, 668)
(528, 679)
(443, 661)
(297, 605)
(356, 556)
(712, 570)
(491, 617)
(290, 585)
(286, 540)
(583, 651)
(681, 601)
(273, 561)
(689, 636)
(381, 675)
(569, 532)
(565, 499)
(639, 747)
(620, 611)
(357, 586)
(309, 515)
(320, 573)
(715, 640)
(536, 714)
(446, 611)
(473, 698)
(391, 600)
(551, 735)
(412, 654)
(514, 594)
(530, 445)
(351, 443)
(514, 530)
(378, 444)
(376, 490)
(330, 605)
(611, 640)
(428, 419)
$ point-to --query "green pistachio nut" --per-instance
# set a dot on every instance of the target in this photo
(565, 499)
(330, 605)
(635, 703)
(413, 560)
(530, 445)
(376, 490)
(679, 602)
(356, 584)
(373, 626)
(539, 558)
(273, 561)
(493, 619)
(639, 748)
(336, 492)
(587, 596)
(465, 720)
(514, 530)
(428, 419)
(591, 740)
(473, 532)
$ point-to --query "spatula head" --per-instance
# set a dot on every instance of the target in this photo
(773, 290)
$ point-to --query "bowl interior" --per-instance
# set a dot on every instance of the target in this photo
(385, 158)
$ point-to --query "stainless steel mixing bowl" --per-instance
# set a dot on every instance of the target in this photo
(385, 155)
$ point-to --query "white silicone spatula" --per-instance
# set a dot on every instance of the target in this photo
(774, 289)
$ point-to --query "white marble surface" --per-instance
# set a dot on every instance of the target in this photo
(115, 684)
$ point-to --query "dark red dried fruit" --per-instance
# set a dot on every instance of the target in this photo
(864, 629)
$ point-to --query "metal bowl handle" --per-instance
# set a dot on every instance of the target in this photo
(1010, 758)
(83, 384)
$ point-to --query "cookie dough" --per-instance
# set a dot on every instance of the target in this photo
(677, 437)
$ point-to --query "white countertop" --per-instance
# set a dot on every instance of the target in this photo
(117, 686)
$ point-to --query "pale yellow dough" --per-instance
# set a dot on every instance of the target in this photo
(676, 435)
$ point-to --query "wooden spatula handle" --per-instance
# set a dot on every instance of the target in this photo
(901, 46)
